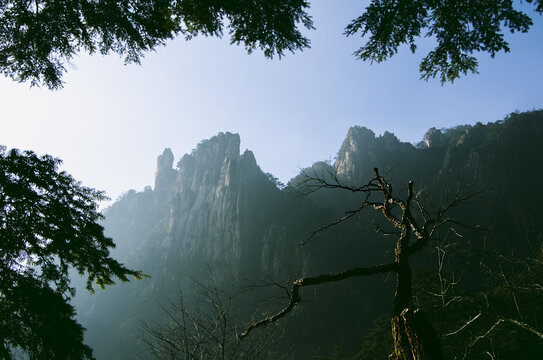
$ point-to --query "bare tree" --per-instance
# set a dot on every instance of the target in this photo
(413, 227)
(503, 319)
(208, 330)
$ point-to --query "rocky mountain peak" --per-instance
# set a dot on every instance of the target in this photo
(164, 174)
(434, 138)
(362, 151)
(165, 161)
(213, 151)
(357, 137)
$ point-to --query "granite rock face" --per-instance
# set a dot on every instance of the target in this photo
(434, 138)
(211, 204)
(362, 151)
(165, 175)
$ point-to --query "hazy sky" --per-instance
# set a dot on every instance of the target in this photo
(111, 121)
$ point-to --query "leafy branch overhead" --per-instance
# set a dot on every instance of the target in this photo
(38, 39)
(460, 28)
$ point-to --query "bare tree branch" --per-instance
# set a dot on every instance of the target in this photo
(496, 324)
(321, 279)
(347, 215)
(204, 331)
(463, 326)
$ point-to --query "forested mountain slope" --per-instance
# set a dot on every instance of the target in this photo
(217, 212)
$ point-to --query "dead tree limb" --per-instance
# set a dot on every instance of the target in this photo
(294, 297)
(414, 337)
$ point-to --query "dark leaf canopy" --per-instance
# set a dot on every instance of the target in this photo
(459, 27)
(48, 224)
(38, 321)
(38, 38)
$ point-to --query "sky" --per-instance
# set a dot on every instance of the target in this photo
(111, 121)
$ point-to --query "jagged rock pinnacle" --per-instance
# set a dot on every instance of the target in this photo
(164, 173)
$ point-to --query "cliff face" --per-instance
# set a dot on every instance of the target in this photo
(220, 206)
(362, 151)
(165, 175)
(217, 210)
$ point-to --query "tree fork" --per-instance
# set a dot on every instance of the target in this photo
(414, 337)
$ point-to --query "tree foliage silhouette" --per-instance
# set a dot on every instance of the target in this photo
(459, 27)
(48, 224)
(39, 38)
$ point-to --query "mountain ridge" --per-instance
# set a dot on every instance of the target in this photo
(217, 209)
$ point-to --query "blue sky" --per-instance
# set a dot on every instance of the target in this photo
(111, 121)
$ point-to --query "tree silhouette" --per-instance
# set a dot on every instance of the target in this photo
(39, 38)
(459, 27)
(48, 224)
(414, 227)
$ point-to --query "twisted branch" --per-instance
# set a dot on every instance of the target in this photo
(321, 279)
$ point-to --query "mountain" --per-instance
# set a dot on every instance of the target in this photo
(217, 213)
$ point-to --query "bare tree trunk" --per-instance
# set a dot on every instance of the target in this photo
(414, 337)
